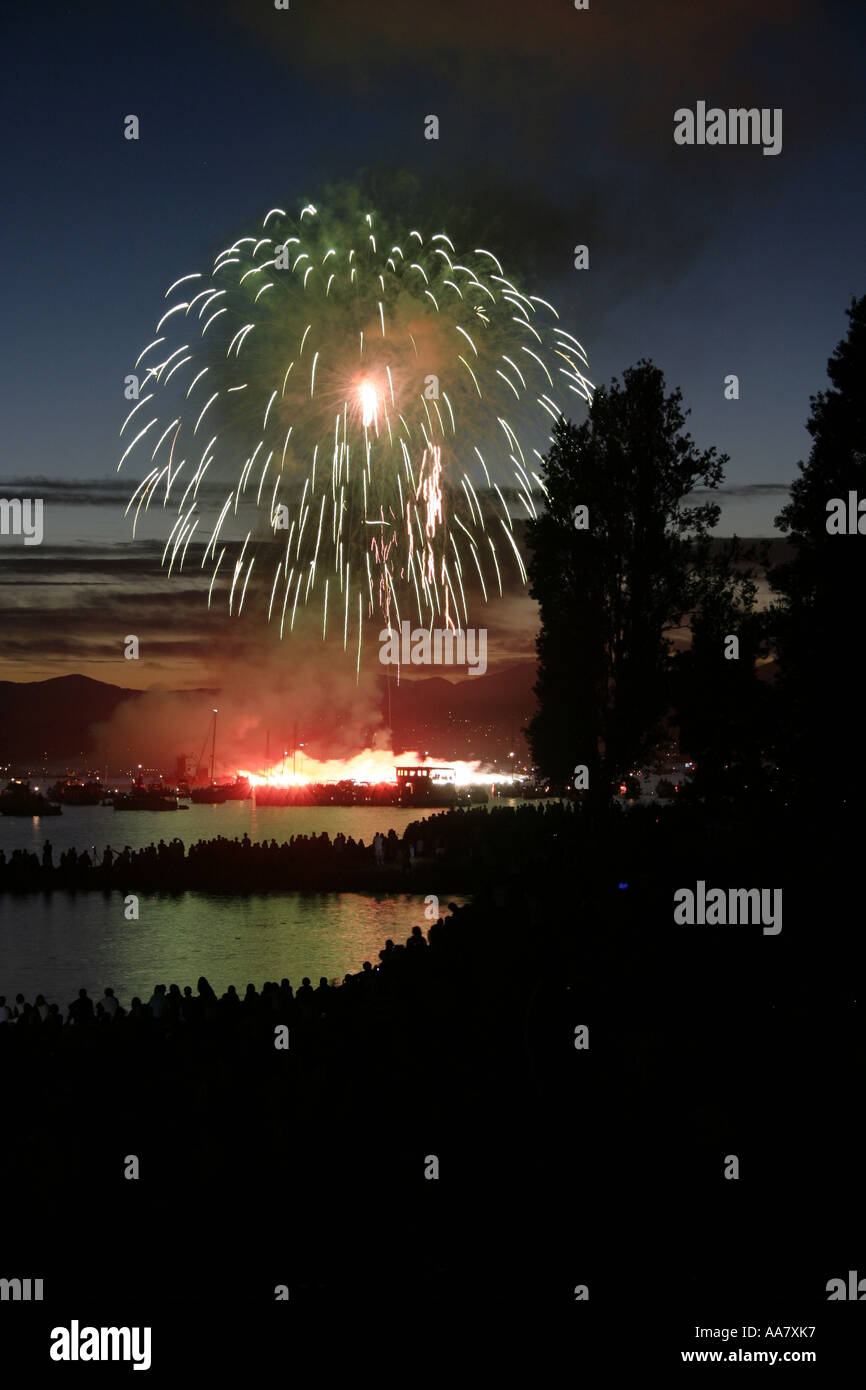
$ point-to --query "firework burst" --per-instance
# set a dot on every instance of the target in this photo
(345, 411)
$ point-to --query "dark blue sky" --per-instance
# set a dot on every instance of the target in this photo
(556, 128)
(709, 261)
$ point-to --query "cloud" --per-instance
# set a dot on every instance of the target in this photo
(556, 124)
(71, 607)
(112, 492)
(69, 492)
(744, 490)
(360, 40)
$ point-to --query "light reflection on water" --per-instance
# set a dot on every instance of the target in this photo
(94, 827)
(54, 943)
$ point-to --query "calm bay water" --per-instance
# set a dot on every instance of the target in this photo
(93, 827)
(53, 943)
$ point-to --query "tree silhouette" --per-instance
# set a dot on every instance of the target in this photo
(612, 591)
(822, 586)
(722, 709)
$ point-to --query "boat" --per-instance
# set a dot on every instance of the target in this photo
(142, 798)
(427, 786)
(215, 794)
(144, 801)
(19, 800)
(75, 793)
(212, 793)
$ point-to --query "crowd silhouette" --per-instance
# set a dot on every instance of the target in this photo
(463, 840)
(170, 1010)
(459, 1044)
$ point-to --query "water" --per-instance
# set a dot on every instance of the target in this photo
(54, 943)
(91, 828)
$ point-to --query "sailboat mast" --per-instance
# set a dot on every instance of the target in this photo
(213, 744)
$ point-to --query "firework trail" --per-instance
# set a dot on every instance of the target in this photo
(357, 394)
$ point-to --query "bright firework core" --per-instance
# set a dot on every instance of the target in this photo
(368, 404)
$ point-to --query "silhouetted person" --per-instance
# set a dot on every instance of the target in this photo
(81, 1009)
(157, 1002)
(138, 1016)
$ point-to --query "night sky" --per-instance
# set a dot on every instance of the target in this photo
(556, 128)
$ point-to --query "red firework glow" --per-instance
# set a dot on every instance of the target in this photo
(376, 766)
